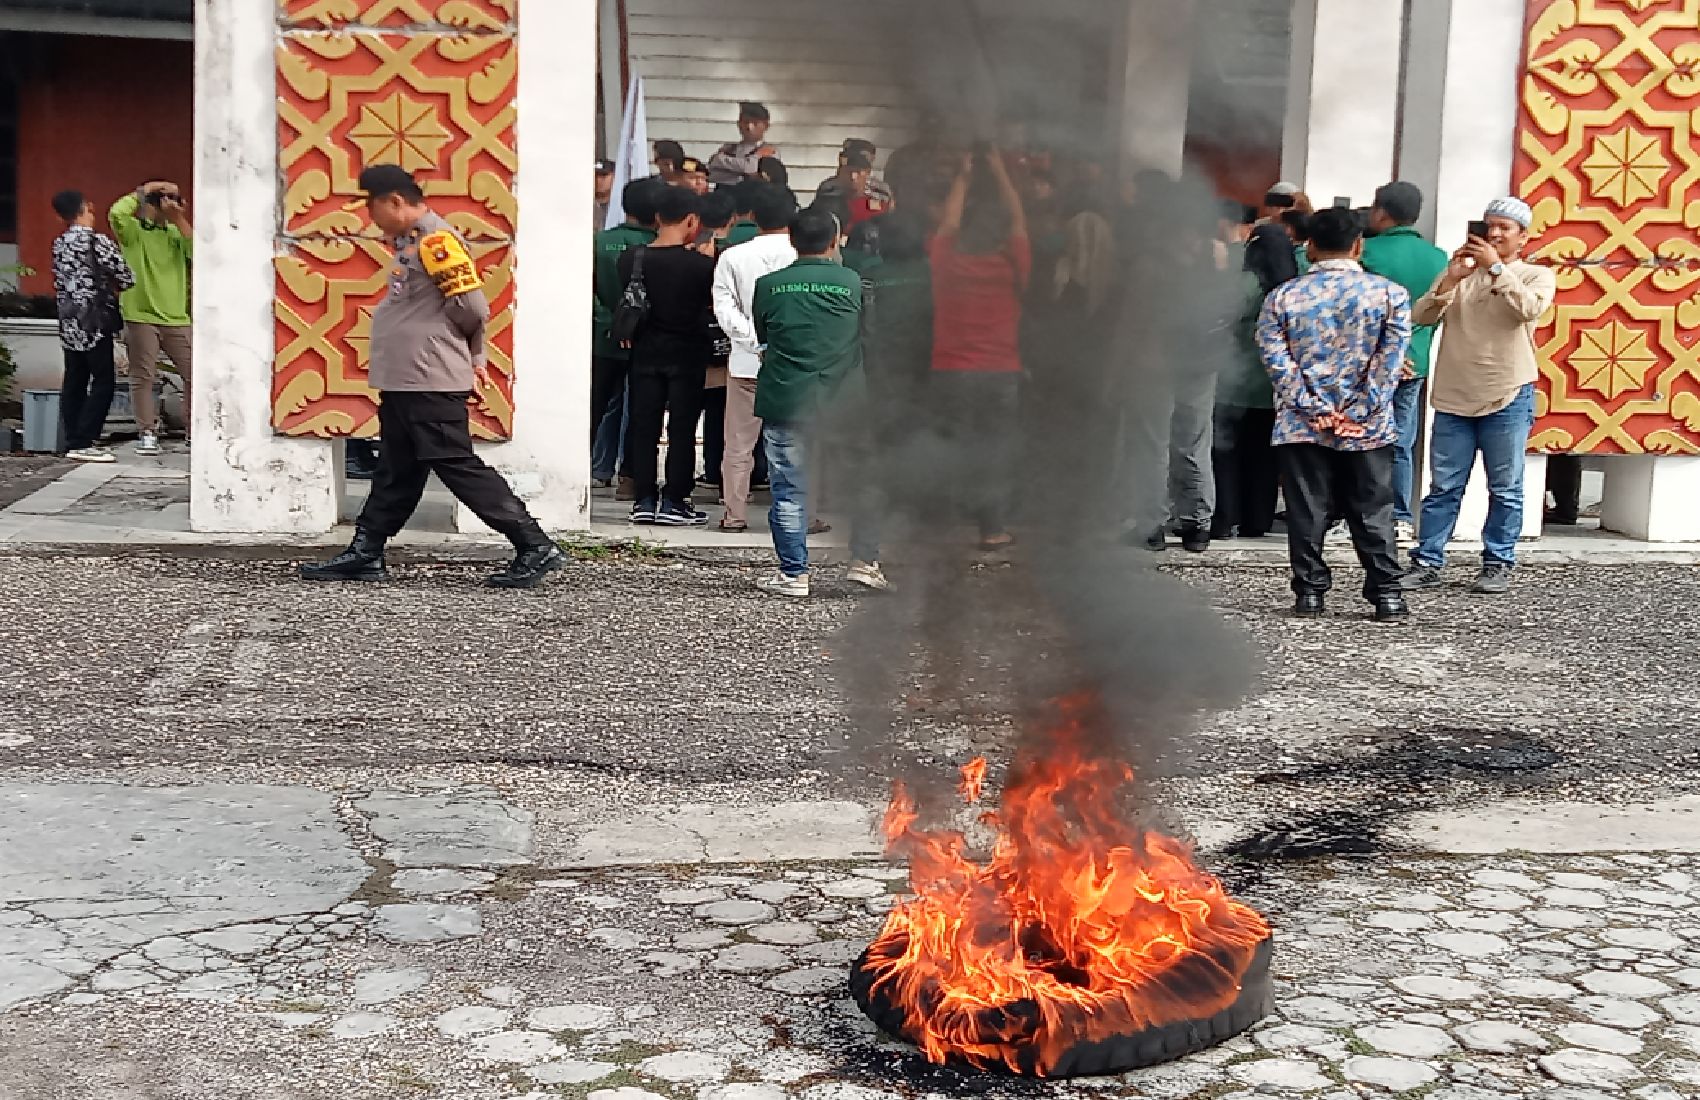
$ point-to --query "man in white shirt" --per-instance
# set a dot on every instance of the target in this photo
(734, 294)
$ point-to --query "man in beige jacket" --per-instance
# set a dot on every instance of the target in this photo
(1488, 304)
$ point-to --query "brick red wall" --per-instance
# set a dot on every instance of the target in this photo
(100, 115)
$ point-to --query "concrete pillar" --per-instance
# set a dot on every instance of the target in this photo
(548, 459)
(1459, 138)
(1343, 98)
(1653, 497)
(1151, 74)
(244, 478)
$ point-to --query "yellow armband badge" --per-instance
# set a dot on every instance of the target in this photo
(446, 260)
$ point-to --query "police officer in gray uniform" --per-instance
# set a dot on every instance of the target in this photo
(427, 355)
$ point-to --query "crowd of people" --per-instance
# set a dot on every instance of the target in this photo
(1225, 368)
(977, 321)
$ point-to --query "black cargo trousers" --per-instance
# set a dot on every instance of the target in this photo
(426, 433)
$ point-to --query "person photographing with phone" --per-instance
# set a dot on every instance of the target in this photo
(1489, 302)
(153, 231)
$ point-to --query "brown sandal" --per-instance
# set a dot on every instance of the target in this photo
(819, 527)
(733, 528)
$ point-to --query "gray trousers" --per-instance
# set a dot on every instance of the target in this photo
(1165, 451)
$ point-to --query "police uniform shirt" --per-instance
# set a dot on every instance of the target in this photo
(428, 332)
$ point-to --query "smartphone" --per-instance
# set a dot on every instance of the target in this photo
(1479, 229)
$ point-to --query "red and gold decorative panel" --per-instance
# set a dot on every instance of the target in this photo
(439, 100)
(479, 15)
(1607, 156)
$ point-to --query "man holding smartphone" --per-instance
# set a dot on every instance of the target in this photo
(153, 230)
(1489, 301)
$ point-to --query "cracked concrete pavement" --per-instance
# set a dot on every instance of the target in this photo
(617, 840)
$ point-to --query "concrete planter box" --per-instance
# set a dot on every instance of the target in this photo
(41, 366)
(35, 347)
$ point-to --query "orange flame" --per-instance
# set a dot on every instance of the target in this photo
(973, 780)
(1080, 927)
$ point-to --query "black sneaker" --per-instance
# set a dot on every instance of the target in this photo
(1310, 605)
(1392, 608)
(644, 511)
(678, 513)
(1421, 576)
(1194, 538)
(1495, 580)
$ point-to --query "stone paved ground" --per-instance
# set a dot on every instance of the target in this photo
(21, 475)
(612, 840)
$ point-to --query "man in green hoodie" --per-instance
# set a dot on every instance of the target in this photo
(1398, 252)
(808, 321)
(153, 230)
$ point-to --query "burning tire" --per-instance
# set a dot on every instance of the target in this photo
(1082, 944)
(1102, 1057)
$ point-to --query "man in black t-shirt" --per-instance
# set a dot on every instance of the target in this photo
(670, 355)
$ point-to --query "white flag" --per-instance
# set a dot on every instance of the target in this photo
(632, 163)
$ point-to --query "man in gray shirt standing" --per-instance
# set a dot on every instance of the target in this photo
(741, 160)
(427, 356)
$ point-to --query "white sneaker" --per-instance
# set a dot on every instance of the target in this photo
(1339, 535)
(1407, 532)
(781, 585)
(869, 575)
(91, 454)
(148, 444)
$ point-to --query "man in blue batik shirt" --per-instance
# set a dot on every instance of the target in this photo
(1334, 341)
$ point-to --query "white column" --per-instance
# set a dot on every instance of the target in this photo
(244, 478)
(548, 460)
(1459, 147)
(1152, 77)
(1343, 98)
(1653, 497)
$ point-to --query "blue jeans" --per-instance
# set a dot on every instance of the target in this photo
(610, 445)
(1407, 414)
(1502, 439)
(787, 446)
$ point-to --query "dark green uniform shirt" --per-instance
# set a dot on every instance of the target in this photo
(808, 317)
(741, 232)
(1403, 256)
(610, 244)
(1243, 383)
(901, 335)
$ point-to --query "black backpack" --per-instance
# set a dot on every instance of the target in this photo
(633, 308)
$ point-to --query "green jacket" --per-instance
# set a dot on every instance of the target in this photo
(1243, 382)
(741, 232)
(610, 244)
(1403, 256)
(159, 255)
(900, 338)
(809, 321)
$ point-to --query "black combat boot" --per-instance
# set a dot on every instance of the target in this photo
(1390, 607)
(362, 561)
(1310, 605)
(537, 556)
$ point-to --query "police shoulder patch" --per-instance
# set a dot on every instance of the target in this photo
(446, 260)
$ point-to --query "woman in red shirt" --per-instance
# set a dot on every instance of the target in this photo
(981, 262)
